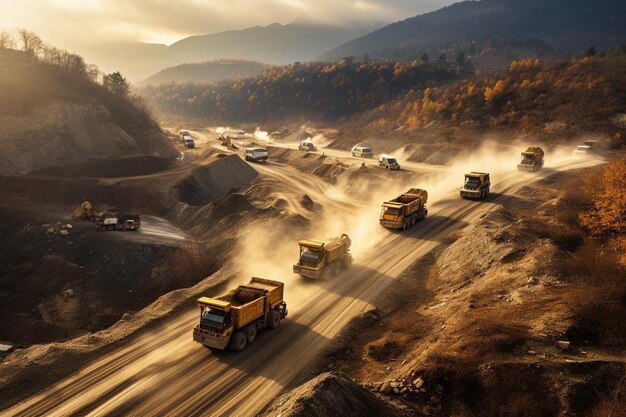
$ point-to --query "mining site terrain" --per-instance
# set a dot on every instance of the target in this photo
(115, 227)
(456, 284)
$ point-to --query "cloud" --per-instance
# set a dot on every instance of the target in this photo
(72, 24)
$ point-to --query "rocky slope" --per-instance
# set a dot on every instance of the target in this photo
(50, 117)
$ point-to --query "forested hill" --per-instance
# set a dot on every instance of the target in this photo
(207, 72)
(562, 99)
(311, 90)
(479, 27)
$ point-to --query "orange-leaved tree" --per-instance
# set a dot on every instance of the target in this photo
(607, 217)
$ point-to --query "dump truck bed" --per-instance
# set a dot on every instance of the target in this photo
(247, 302)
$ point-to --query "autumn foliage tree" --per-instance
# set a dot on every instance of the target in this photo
(607, 218)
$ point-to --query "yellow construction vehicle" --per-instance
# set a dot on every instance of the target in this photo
(233, 320)
(319, 259)
(405, 210)
(476, 185)
(532, 159)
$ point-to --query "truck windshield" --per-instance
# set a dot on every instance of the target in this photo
(310, 255)
(390, 210)
(471, 183)
(213, 318)
(391, 160)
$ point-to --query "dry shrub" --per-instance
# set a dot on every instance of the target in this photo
(385, 349)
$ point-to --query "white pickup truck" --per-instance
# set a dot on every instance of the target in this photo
(255, 154)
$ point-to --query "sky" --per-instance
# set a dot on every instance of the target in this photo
(73, 24)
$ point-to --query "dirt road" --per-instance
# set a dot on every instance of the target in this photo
(166, 373)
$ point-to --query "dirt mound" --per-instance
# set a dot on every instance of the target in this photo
(62, 281)
(110, 168)
(330, 395)
(209, 183)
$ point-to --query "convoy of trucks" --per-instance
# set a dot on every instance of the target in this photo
(405, 210)
(532, 159)
(234, 319)
(476, 185)
(323, 259)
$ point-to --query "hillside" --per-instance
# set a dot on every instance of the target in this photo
(476, 28)
(52, 115)
(312, 90)
(561, 99)
(272, 44)
(207, 72)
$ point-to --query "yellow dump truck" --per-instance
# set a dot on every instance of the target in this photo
(532, 159)
(405, 210)
(476, 185)
(233, 320)
(320, 259)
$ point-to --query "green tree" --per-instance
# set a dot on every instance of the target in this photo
(116, 83)
(446, 134)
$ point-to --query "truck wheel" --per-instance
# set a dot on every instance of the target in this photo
(487, 195)
(110, 227)
(347, 262)
(238, 341)
(251, 332)
(273, 319)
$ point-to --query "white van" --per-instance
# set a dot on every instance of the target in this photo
(188, 141)
(256, 154)
(582, 149)
(362, 151)
(388, 162)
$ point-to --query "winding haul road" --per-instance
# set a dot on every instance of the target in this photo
(165, 373)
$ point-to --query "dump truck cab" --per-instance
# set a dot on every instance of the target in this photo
(311, 259)
(216, 321)
(476, 185)
(319, 259)
(532, 159)
(233, 320)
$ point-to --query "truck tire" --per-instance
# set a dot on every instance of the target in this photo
(273, 319)
(487, 195)
(238, 341)
(346, 263)
(251, 332)
(110, 227)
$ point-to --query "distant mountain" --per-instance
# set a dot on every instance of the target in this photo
(567, 25)
(210, 71)
(273, 44)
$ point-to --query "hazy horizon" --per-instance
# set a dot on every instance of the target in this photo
(74, 26)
